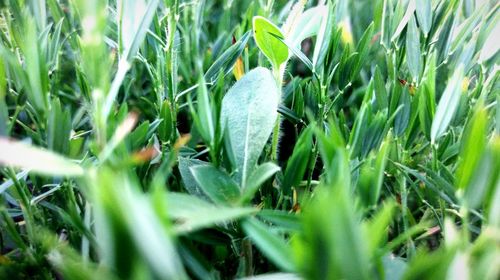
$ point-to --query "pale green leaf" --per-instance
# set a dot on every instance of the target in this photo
(447, 105)
(192, 213)
(249, 112)
(473, 145)
(274, 276)
(270, 244)
(273, 49)
(20, 155)
(217, 185)
(310, 22)
(413, 54)
(261, 174)
(408, 14)
(394, 267)
(324, 34)
(190, 183)
(424, 15)
(134, 19)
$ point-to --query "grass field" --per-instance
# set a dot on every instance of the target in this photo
(266, 139)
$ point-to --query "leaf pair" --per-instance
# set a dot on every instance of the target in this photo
(248, 115)
(275, 42)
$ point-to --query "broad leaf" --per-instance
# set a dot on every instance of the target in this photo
(261, 174)
(217, 185)
(249, 112)
(273, 49)
(190, 183)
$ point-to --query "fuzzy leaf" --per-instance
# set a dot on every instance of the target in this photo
(261, 174)
(249, 112)
(216, 184)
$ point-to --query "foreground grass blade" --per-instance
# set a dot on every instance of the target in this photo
(194, 214)
(269, 243)
(21, 155)
(171, 168)
(332, 246)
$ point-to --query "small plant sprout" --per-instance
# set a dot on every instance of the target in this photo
(222, 139)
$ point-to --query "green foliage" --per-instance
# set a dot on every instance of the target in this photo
(147, 139)
(448, 105)
(273, 49)
(248, 113)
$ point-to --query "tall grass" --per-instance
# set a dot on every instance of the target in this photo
(220, 139)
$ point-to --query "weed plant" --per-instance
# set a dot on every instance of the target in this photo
(221, 139)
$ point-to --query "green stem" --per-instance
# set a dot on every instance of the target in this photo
(311, 166)
(404, 197)
(246, 245)
(435, 164)
(278, 76)
(171, 61)
(275, 140)
(465, 222)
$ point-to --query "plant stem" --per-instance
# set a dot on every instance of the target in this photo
(278, 76)
(275, 140)
(404, 196)
(246, 245)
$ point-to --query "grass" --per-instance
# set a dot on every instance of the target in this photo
(249, 139)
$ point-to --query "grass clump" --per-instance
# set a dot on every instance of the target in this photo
(237, 139)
